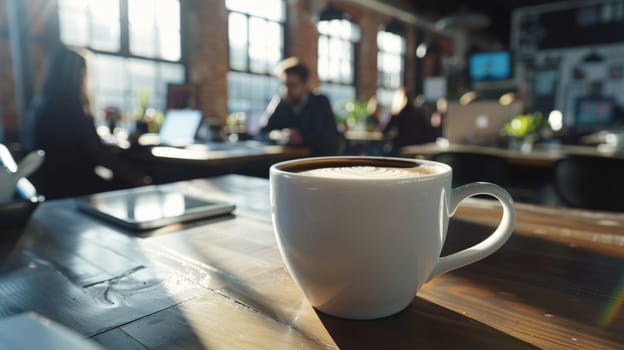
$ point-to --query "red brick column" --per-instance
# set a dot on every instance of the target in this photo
(208, 56)
(366, 69)
(410, 58)
(302, 36)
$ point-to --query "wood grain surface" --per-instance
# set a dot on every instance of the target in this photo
(221, 284)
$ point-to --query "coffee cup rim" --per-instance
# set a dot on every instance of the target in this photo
(278, 168)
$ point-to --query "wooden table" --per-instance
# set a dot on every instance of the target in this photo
(557, 284)
(540, 156)
(226, 153)
(364, 142)
(363, 135)
(167, 164)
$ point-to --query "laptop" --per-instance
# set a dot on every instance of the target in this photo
(180, 127)
(478, 122)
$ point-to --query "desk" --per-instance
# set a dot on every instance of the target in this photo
(220, 283)
(227, 153)
(529, 175)
(167, 164)
(363, 135)
(540, 156)
(364, 142)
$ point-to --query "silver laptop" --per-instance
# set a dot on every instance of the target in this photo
(180, 127)
(478, 122)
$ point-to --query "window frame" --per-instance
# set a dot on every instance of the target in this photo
(354, 42)
(384, 92)
(382, 73)
(268, 74)
(248, 16)
(124, 51)
(124, 36)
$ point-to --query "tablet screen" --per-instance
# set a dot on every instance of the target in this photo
(150, 207)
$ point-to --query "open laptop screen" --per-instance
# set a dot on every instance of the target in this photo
(594, 113)
(180, 126)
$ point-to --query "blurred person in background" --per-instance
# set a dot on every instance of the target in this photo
(300, 117)
(407, 125)
(374, 111)
(76, 161)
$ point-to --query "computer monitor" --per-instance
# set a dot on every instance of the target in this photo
(594, 113)
(490, 66)
(180, 127)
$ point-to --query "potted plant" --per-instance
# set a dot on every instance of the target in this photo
(523, 130)
(351, 114)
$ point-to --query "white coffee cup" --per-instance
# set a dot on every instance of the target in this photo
(360, 242)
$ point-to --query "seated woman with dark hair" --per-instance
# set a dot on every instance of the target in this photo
(76, 162)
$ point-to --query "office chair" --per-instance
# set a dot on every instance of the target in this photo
(591, 182)
(471, 167)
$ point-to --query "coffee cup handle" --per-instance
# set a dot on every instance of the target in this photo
(490, 244)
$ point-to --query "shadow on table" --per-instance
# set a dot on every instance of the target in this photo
(565, 281)
(423, 325)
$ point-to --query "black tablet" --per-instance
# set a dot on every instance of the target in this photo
(150, 207)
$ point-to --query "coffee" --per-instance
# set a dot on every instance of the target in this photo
(370, 168)
(370, 172)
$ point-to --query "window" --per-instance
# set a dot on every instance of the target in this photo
(390, 66)
(136, 49)
(336, 58)
(256, 41)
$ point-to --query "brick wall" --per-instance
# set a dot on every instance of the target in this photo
(366, 59)
(208, 56)
(410, 57)
(301, 35)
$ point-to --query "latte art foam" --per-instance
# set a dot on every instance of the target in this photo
(370, 172)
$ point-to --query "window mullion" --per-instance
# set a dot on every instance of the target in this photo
(248, 44)
(124, 34)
